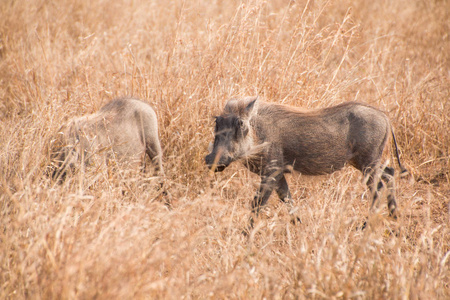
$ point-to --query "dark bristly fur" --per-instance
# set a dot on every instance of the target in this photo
(124, 130)
(311, 142)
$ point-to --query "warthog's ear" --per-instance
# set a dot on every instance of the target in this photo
(250, 108)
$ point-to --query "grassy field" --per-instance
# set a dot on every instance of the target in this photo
(107, 234)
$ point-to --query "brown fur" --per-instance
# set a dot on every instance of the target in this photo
(311, 142)
(123, 131)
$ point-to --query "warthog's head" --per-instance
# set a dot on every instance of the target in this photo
(63, 161)
(232, 139)
(66, 149)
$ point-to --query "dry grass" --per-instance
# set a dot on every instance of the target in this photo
(107, 235)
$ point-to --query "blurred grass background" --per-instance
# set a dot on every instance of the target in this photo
(107, 235)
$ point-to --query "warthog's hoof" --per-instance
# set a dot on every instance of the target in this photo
(362, 227)
(295, 219)
(246, 231)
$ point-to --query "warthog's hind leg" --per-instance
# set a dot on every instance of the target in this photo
(154, 152)
(386, 180)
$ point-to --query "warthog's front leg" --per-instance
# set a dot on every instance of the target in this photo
(285, 195)
(271, 174)
(262, 196)
(275, 180)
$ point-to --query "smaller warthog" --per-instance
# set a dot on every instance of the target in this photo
(123, 132)
(272, 139)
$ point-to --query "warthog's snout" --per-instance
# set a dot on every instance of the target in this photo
(217, 162)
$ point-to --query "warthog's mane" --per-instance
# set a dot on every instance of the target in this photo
(238, 106)
(254, 152)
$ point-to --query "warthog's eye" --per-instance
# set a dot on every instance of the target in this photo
(241, 129)
(238, 123)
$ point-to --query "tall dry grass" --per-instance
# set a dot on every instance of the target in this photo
(107, 234)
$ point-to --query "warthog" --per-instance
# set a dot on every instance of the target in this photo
(273, 139)
(122, 131)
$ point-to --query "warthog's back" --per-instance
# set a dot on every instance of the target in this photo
(123, 131)
(127, 125)
(322, 141)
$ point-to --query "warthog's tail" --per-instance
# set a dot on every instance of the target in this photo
(402, 169)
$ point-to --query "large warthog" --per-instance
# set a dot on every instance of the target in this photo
(121, 132)
(273, 139)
